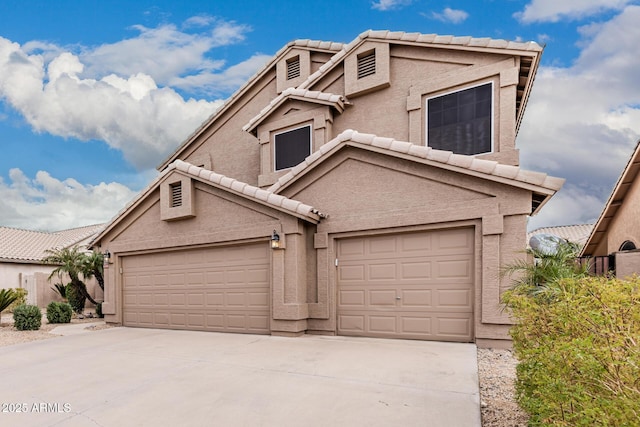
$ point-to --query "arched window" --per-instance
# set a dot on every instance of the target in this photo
(628, 245)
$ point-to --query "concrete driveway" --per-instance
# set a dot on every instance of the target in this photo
(148, 377)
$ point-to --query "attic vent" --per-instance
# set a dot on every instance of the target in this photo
(366, 64)
(293, 68)
(176, 194)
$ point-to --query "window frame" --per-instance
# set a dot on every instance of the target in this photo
(291, 129)
(450, 92)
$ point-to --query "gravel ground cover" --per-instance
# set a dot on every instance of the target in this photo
(497, 374)
(9, 335)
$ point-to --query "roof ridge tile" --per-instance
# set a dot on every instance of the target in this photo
(249, 190)
(471, 163)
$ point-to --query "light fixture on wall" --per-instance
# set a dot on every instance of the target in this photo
(275, 240)
(107, 256)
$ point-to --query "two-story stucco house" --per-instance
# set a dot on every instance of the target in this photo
(384, 170)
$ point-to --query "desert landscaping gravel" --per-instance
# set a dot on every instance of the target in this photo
(496, 372)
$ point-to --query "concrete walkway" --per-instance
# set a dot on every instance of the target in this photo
(147, 377)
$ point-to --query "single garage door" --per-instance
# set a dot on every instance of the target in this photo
(222, 289)
(414, 285)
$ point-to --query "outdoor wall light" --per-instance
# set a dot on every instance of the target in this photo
(275, 240)
(107, 256)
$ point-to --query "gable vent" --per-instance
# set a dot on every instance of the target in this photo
(293, 68)
(176, 194)
(367, 64)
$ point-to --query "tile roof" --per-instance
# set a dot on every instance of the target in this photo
(31, 246)
(513, 175)
(573, 233)
(302, 43)
(336, 101)
(431, 39)
(259, 195)
(250, 191)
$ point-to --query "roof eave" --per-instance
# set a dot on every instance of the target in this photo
(298, 44)
(599, 229)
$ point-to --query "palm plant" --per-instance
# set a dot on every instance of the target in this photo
(71, 261)
(539, 277)
(94, 267)
(61, 290)
(7, 297)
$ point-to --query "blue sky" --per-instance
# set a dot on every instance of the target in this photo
(95, 94)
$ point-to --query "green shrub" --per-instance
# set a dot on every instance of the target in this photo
(99, 310)
(75, 298)
(21, 294)
(59, 312)
(27, 317)
(578, 344)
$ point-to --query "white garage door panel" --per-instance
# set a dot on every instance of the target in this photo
(417, 285)
(213, 289)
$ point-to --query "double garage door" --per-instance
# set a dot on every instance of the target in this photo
(223, 289)
(414, 285)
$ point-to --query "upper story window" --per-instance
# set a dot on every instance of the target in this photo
(462, 121)
(292, 147)
(293, 67)
(366, 64)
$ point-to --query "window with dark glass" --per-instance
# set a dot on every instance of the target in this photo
(461, 121)
(292, 147)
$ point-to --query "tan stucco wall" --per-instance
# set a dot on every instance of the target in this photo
(367, 193)
(364, 193)
(625, 225)
(220, 218)
(398, 111)
(627, 264)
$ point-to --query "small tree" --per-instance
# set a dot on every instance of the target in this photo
(72, 262)
(94, 267)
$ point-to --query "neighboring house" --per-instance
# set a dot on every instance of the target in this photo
(21, 255)
(614, 242)
(577, 234)
(385, 172)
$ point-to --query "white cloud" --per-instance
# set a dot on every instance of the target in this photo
(48, 204)
(582, 122)
(389, 4)
(165, 52)
(554, 10)
(451, 15)
(130, 114)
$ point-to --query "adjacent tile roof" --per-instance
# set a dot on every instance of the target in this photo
(30, 246)
(616, 199)
(336, 101)
(512, 175)
(302, 43)
(573, 233)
